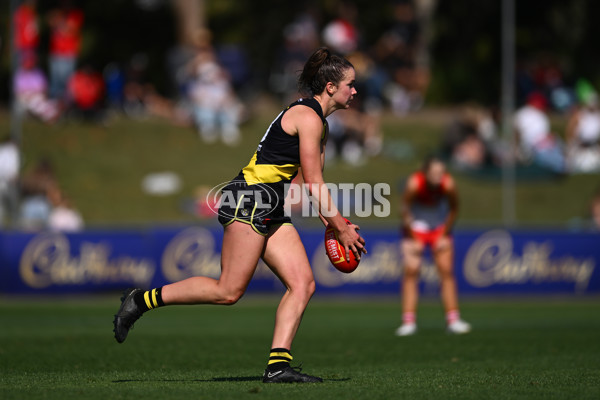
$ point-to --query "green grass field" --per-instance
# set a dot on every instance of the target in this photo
(527, 349)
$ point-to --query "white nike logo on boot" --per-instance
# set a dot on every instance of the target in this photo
(272, 374)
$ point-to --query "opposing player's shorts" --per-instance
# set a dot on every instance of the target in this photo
(256, 205)
(429, 237)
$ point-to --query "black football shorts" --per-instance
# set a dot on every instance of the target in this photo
(256, 205)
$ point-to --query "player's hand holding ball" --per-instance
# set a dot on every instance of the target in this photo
(343, 248)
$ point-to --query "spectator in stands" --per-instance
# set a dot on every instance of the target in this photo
(9, 172)
(470, 141)
(26, 34)
(399, 78)
(36, 186)
(355, 134)
(139, 96)
(135, 86)
(583, 134)
(86, 93)
(65, 23)
(300, 38)
(63, 216)
(205, 203)
(31, 91)
(354, 137)
(114, 79)
(537, 144)
(216, 108)
(341, 34)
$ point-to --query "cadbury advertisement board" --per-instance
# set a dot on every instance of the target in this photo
(487, 262)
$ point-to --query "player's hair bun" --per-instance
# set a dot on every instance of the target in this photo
(322, 67)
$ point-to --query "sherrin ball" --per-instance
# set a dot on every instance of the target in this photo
(335, 252)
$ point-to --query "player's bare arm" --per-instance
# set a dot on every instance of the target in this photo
(309, 133)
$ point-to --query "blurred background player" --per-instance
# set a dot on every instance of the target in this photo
(429, 209)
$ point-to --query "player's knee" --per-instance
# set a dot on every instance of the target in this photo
(411, 271)
(446, 273)
(412, 249)
(230, 297)
(443, 244)
(409, 246)
(304, 288)
(310, 288)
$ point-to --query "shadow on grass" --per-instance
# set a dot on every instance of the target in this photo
(218, 379)
(225, 379)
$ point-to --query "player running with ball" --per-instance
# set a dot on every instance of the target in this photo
(429, 209)
(296, 138)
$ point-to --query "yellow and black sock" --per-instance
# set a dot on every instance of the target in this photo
(149, 299)
(278, 359)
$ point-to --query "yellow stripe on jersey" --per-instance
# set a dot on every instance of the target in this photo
(268, 173)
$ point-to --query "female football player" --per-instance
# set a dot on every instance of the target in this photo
(429, 209)
(296, 138)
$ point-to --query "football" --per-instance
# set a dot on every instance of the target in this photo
(335, 252)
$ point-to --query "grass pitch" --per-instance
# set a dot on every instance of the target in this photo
(535, 349)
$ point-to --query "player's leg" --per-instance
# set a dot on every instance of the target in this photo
(285, 255)
(412, 252)
(412, 258)
(241, 250)
(443, 253)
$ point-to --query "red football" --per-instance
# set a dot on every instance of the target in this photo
(335, 252)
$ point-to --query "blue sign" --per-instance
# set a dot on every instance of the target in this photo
(486, 262)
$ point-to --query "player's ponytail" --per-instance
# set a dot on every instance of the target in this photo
(322, 67)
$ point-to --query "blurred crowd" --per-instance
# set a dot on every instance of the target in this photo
(42, 203)
(68, 86)
(33, 199)
(391, 72)
(472, 141)
(211, 95)
(210, 87)
(209, 80)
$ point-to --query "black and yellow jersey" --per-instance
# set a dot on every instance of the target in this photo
(277, 158)
(257, 195)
